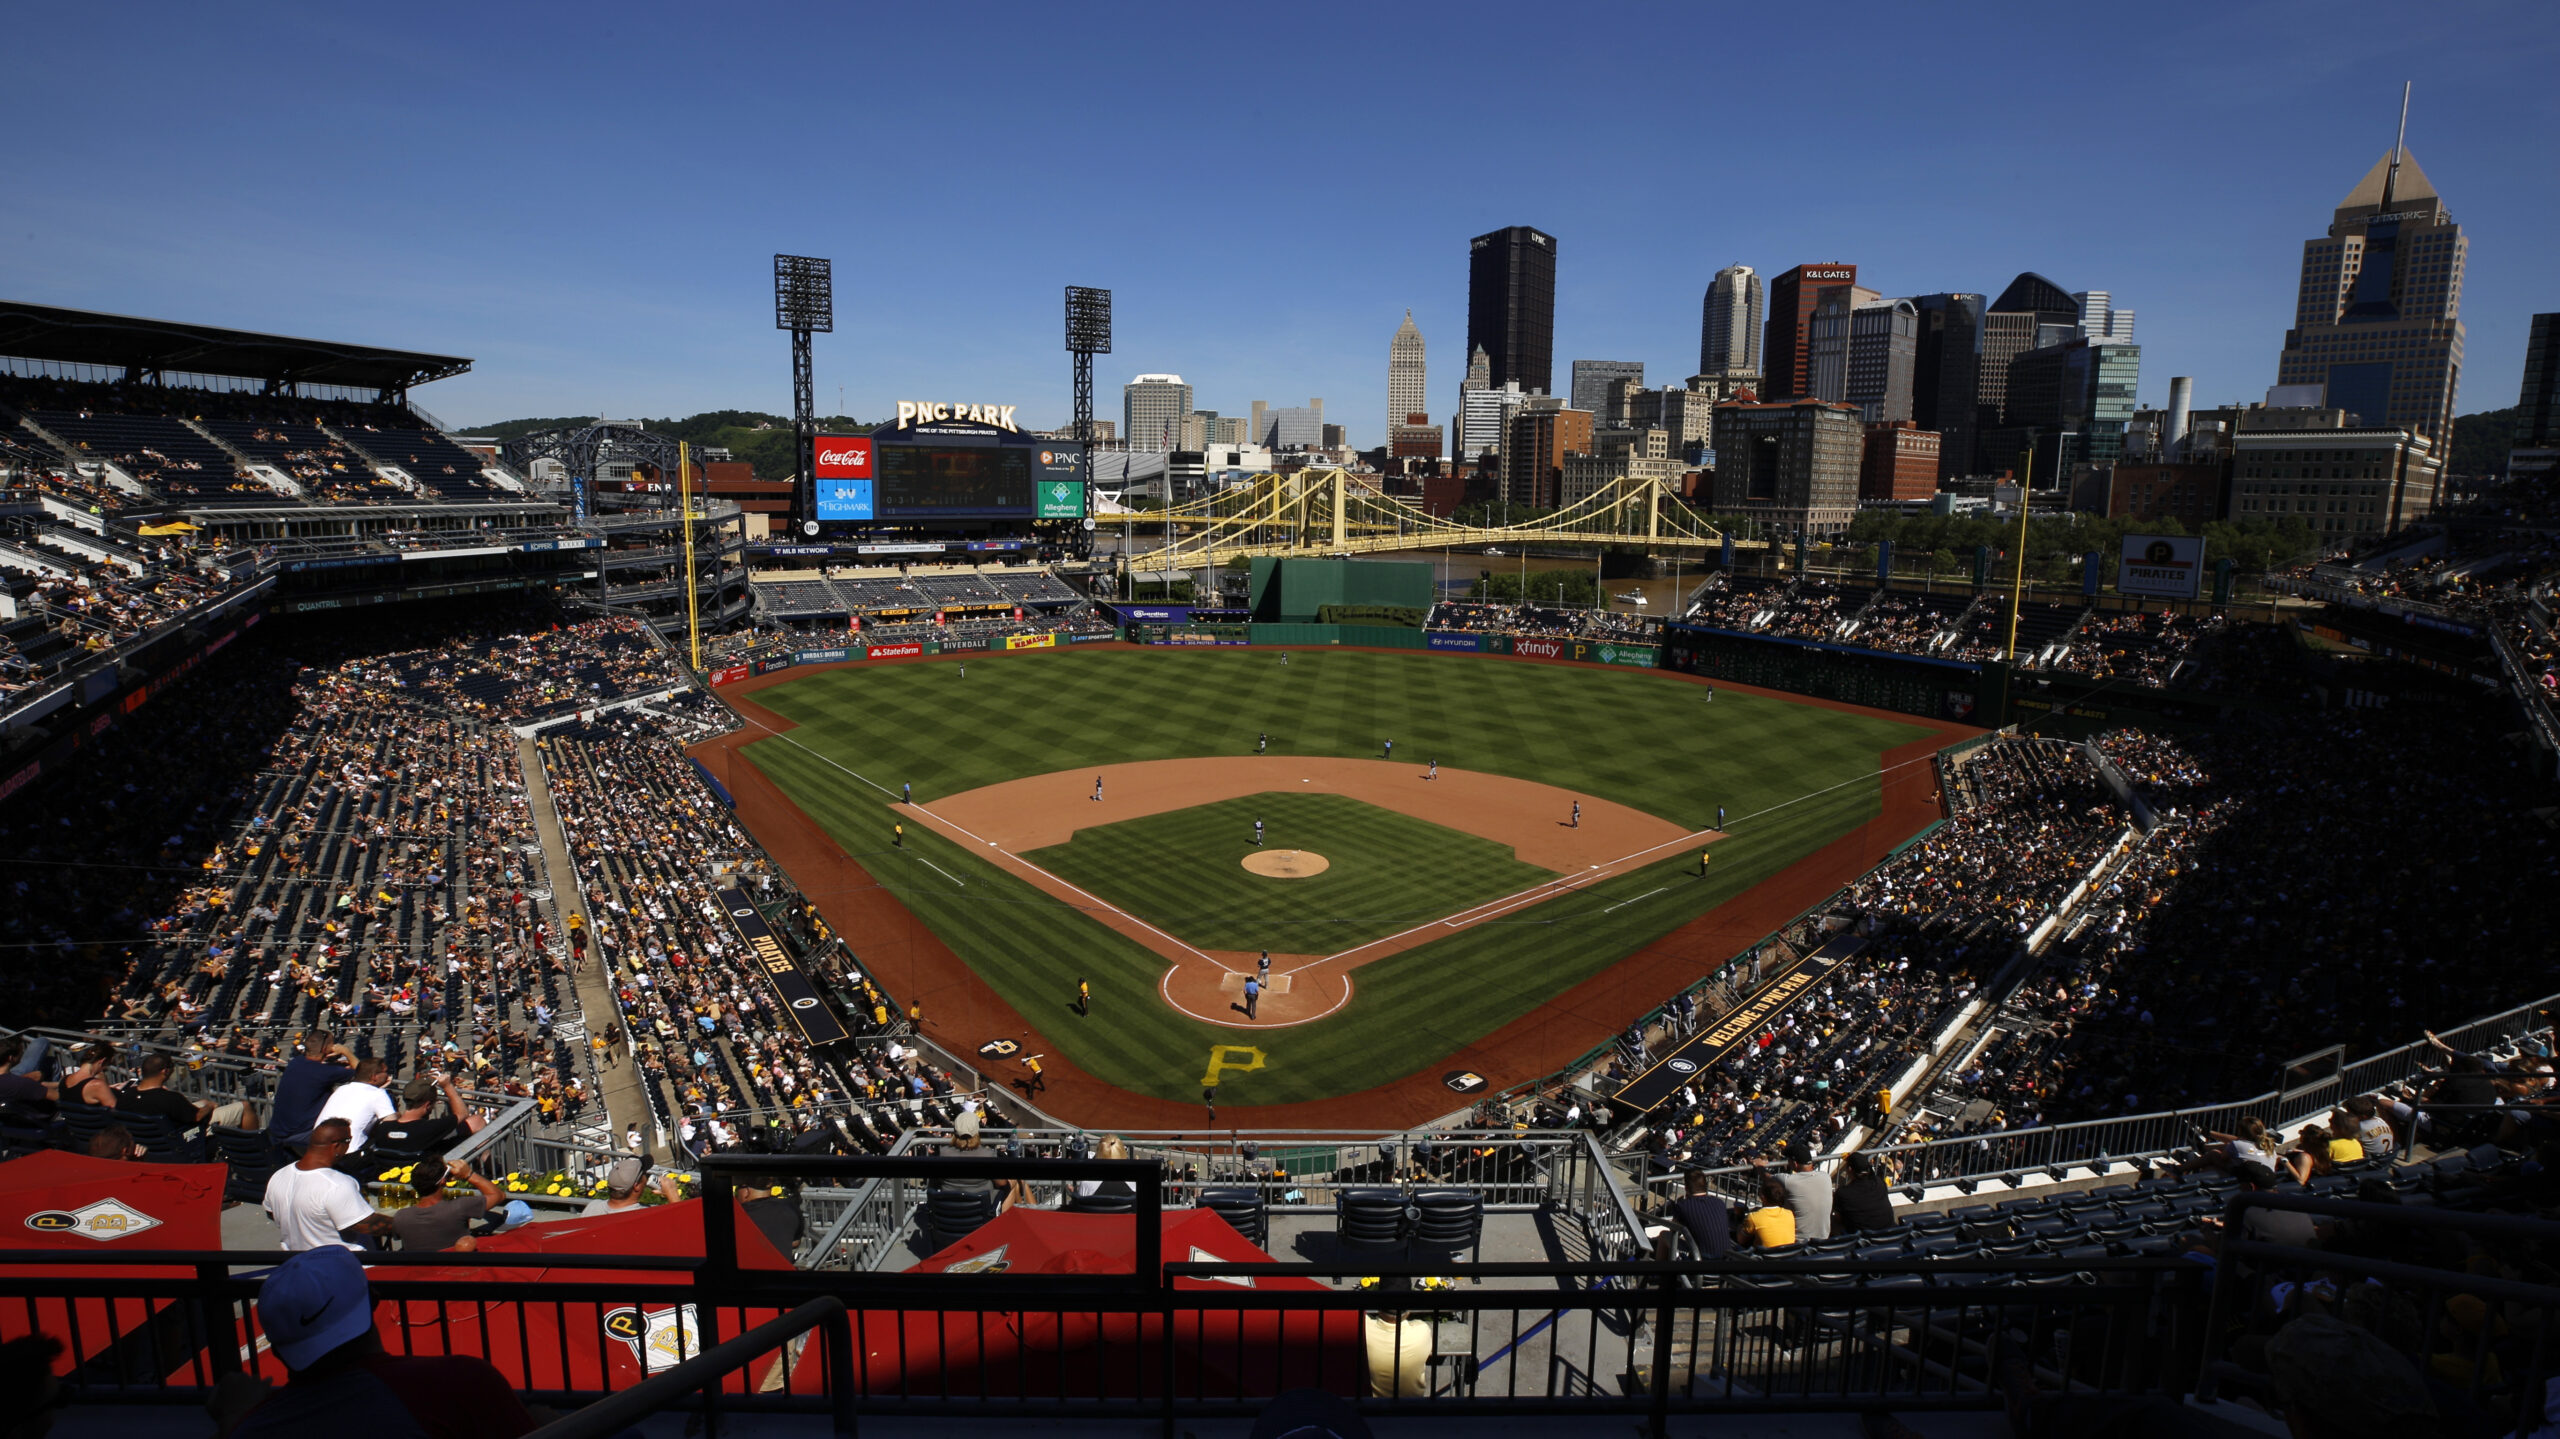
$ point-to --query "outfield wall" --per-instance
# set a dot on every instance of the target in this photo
(1388, 637)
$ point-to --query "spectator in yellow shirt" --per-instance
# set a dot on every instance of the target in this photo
(1773, 1224)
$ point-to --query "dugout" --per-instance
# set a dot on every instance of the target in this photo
(1291, 591)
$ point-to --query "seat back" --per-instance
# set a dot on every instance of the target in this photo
(1102, 1202)
(252, 1161)
(1370, 1216)
(955, 1214)
(85, 1121)
(1448, 1218)
(1244, 1210)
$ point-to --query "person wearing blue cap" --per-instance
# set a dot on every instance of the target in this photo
(317, 1313)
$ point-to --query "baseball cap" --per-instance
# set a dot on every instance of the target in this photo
(625, 1174)
(416, 1092)
(314, 1302)
(1799, 1152)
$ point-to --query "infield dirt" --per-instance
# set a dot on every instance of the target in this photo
(962, 1010)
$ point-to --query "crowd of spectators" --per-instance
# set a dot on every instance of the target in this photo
(1542, 621)
(2144, 648)
(69, 604)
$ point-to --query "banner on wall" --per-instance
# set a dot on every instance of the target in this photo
(1030, 642)
(1096, 638)
(798, 993)
(1542, 649)
(730, 675)
(821, 657)
(893, 652)
(2161, 566)
(1609, 653)
(1459, 642)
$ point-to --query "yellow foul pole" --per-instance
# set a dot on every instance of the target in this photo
(2018, 585)
(684, 497)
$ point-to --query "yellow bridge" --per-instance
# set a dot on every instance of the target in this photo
(1334, 512)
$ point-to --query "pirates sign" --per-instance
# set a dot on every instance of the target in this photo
(660, 1339)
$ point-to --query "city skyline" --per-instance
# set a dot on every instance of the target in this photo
(437, 220)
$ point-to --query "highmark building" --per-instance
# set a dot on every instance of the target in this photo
(2378, 318)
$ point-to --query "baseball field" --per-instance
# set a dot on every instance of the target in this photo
(1429, 867)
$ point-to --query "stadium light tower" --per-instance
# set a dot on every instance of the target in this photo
(1088, 335)
(804, 302)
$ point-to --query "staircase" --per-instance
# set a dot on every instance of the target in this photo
(265, 474)
(393, 473)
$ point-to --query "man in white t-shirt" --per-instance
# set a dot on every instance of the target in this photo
(314, 1205)
(362, 1102)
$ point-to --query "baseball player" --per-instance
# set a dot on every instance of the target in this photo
(1719, 816)
(1097, 789)
(1084, 997)
(1262, 743)
(1262, 967)
(1434, 771)
(1257, 833)
(1577, 814)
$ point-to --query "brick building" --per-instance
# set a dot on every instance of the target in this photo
(1899, 462)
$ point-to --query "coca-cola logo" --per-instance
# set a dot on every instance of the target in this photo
(841, 458)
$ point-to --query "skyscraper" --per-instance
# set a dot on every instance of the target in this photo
(1729, 337)
(1946, 375)
(1785, 343)
(1407, 396)
(2378, 320)
(1152, 410)
(1591, 381)
(1884, 344)
(2009, 329)
(1826, 340)
(2536, 449)
(1477, 427)
(1511, 305)
(2100, 319)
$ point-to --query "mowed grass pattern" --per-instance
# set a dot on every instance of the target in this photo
(1183, 872)
(1792, 777)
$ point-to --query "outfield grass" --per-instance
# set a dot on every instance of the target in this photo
(1791, 776)
(1183, 872)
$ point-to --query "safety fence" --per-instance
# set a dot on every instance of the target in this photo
(1205, 1335)
(1562, 1173)
(2094, 1144)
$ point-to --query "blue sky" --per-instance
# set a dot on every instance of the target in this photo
(586, 199)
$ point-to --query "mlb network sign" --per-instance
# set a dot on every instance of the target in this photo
(842, 465)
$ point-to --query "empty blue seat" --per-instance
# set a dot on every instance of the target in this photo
(1244, 1210)
(1370, 1217)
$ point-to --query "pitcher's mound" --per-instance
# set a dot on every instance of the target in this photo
(1286, 863)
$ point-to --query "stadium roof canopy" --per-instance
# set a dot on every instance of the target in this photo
(150, 347)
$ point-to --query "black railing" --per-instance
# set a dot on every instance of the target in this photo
(1198, 1337)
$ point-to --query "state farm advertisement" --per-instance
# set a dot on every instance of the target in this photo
(895, 652)
(1540, 649)
(843, 457)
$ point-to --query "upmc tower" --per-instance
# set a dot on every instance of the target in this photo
(1511, 305)
(1785, 357)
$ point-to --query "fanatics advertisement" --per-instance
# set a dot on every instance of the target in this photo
(2167, 567)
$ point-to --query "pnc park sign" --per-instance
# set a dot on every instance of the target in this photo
(925, 412)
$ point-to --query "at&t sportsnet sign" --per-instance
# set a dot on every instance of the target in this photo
(842, 465)
(2164, 567)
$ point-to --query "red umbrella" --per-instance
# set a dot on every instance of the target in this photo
(1074, 1353)
(57, 1200)
(548, 1345)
